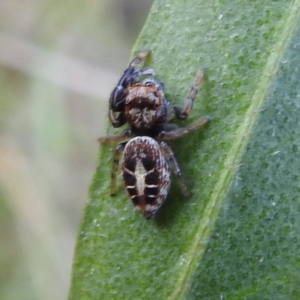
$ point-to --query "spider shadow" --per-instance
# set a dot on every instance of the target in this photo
(184, 149)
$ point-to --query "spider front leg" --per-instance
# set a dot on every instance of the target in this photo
(182, 113)
(169, 155)
(118, 95)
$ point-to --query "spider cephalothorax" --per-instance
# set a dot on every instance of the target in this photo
(140, 103)
(147, 160)
(146, 107)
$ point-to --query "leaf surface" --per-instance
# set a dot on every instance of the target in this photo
(237, 236)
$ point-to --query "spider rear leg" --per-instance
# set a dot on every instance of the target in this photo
(182, 113)
(117, 153)
(116, 158)
(169, 155)
(173, 134)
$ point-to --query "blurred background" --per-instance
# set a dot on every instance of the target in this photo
(59, 60)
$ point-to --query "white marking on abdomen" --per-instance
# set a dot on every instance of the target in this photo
(151, 185)
(130, 186)
(140, 174)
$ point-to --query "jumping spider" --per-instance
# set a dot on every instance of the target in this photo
(147, 159)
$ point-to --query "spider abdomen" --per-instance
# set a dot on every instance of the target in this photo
(146, 174)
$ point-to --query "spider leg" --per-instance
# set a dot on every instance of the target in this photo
(116, 158)
(182, 113)
(138, 59)
(170, 127)
(128, 77)
(118, 94)
(169, 155)
(146, 71)
(117, 97)
(170, 110)
(173, 134)
(116, 138)
(130, 74)
(116, 121)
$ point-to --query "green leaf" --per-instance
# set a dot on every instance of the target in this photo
(237, 237)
